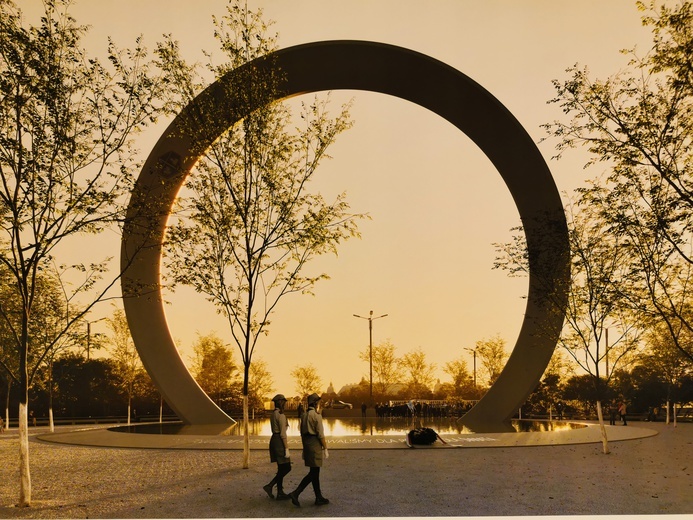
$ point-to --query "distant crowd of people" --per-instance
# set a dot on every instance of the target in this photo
(422, 409)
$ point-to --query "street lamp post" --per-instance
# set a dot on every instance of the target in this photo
(473, 351)
(607, 354)
(370, 319)
(89, 334)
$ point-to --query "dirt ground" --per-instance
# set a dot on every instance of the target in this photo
(647, 476)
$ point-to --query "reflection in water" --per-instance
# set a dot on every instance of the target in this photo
(338, 427)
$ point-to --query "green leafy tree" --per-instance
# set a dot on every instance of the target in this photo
(387, 369)
(666, 360)
(46, 337)
(249, 228)
(581, 394)
(10, 311)
(49, 338)
(638, 123)
(307, 380)
(644, 387)
(492, 356)
(601, 331)
(125, 357)
(214, 368)
(261, 384)
(419, 374)
(85, 387)
(548, 397)
(462, 384)
(66, 122)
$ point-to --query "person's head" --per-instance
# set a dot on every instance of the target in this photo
(313, 400)
(279, 401)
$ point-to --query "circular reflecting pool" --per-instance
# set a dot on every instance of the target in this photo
(344, 426)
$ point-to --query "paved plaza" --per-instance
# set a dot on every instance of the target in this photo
(648, 472)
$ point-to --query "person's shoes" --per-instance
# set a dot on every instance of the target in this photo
(321, 501)
(268, 490)
(282, 496)
(294, 499)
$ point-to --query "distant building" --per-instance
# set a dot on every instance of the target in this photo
(346, 388)
(393, 389)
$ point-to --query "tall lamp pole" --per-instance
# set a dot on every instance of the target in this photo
(89, 334)
(370, 319)
(473, 351)
(607, 354)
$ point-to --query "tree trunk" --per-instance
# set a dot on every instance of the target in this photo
(129, 401)
(246, 419)
(24, 473)
(674, 410)
(50, 397)
(667, 421)
(605, 440)
(7, 404)
(161, 409)
(246, 434)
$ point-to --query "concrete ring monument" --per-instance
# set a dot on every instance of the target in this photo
(385, 69)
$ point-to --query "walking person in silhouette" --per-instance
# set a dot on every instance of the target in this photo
(622, 412)
(314, 446)
(613, 410)
(279, 448)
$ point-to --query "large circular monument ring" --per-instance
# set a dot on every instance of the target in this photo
(386, 69)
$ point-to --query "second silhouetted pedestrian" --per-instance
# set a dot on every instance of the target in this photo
(279, 448)
(622, 412)
(314, 447)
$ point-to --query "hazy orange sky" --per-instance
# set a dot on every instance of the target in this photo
(436, 203)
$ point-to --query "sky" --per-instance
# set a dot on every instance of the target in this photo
(436, 204)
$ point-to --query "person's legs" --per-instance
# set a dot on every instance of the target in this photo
(268, 487)
(303, 485)
(319, 499)
(284, 469)
(315, 480)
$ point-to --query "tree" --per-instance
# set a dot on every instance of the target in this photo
(84, 387)
(214, 368)
(65, 159)
(124, 354)
(49, 337)
(386, 367)
(492, 356)
(548, 396)
(581, 394)
(260, 384)
(596, 302)
(462, 383)
(666, 360)
(419, 373)
(307, 380)
(248, 231)
(639, 123)
(643, 387)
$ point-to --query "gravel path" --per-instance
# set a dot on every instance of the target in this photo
(644, 476)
